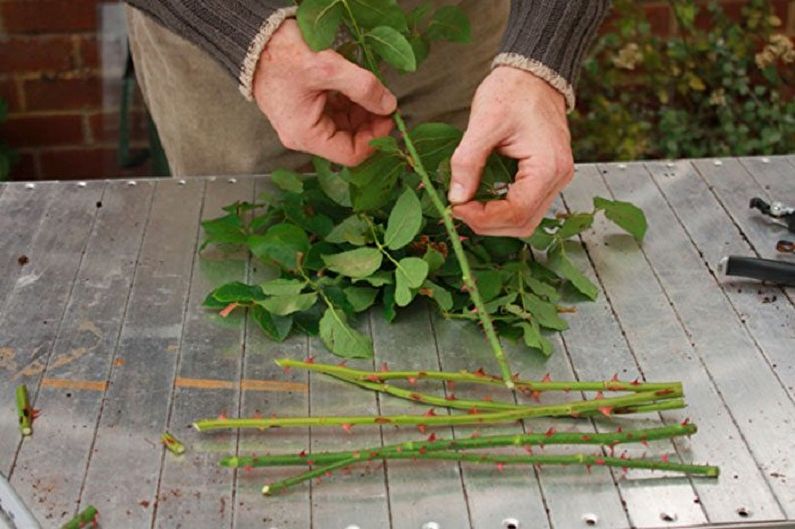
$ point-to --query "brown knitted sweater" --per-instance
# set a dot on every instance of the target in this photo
(545, 37)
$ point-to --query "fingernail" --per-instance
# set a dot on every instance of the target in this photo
(457, 193)
(388, 101)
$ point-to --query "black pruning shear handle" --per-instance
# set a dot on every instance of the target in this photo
(776, 210)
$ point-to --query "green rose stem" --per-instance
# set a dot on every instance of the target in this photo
(478, 377)
(474, 443)
(585, 460)
(86, 517)
(24, 411)
(447, 217)
(172, 443)
(568, 409)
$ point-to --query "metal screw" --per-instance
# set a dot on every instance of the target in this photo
(717, 162)
(30, 185)
(622, 166)
(743, 512)
(510, 523)
(668, 517)
(132, 183)
(182, 182)
(670, 164)
(765, 160)
(81, 184)
(352, 526)
(590, 519)
(430, 525)
(232, 180)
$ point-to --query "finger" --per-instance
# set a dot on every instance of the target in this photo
(342, 146)
(469, 159)
(497, 218)
(358, 84)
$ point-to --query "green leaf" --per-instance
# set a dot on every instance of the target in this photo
(575, 224)
(285, 305)
(276, 327)
(377, 279)
(435, 142)
(409, 274)
(282, 287)
(541, 238)
(354, 230)
(626, 216)
(534, 339)
(420, 47)
(238, 292)
(389, 303)
(373, 180)
(546, 314)
(501, 249)
(558, 262)
(439, 294)
(498, 303)
(489, 283)
(319, 21)
(283, 243)
(314, 257)
(211, 303)
(360, 298)
(223, 230)
(372, 13)
(434, 258)
(449, 23)
(333, 185)
(386, 144)
(287, 180)
(341, 339)
(393, 47)
(540, 288)
(357, 263)
(404, 222)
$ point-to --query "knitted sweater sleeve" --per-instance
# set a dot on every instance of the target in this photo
(549, 38)
(233, 32)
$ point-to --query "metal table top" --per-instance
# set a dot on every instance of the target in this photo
(103, 323)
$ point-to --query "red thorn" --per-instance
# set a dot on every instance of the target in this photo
(421, 428)
(635, 382)
(500, 467)
(451, 396)
(430, 413)
(612, 448)
(606, 410)
(624, 455)
(528, 449)
(248, 468)
(310, 359)
(382, 420)
(664, 392)
(347, 427)
(599, 395)
(644, 442)
(535, 395)
(586, 437)
(344, 363)
(415, 396)
(463, 238)
(373, 454)
(488, 398)
(384, 367)
(373, 378)
(310, 462)
(222, 416)
(473, 411)
(451, 385)
(619, 430)
(474, 435)
(547, 378)
(599, 461)
(480, 372)
(228, 309)
(327, 474)
(411, 380)
(515, 377)
(685, 422)
(421, 185)
(302, 453)
(550, 432)
(614, 378)
(664, 458)
(432, 438)
(422, 450)
(286, 369)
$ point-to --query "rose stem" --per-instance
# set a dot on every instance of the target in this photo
(567, 409)
(173, 445)
(492, 441)
(499, 460)
(24, 411)
(86, 517)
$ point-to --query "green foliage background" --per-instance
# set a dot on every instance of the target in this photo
(727, 90)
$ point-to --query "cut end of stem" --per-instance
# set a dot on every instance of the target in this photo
(26, 431)
(510, 385)
(266, 490)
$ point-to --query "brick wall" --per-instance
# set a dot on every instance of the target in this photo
(59, 73)
(60, 76)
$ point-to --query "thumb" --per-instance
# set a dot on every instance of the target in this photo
(359, 85)
(468, 162)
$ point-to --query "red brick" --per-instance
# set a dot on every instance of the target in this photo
(34, 54)
(36, 131)
(85, 163)
(48, 16)
(58, 93)
(105, 127)
(24, 168)
(659, 18)
(89, 52)
(9, 93)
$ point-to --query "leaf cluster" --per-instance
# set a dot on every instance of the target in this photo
(715, 86)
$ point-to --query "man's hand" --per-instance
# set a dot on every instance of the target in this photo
(524, 118)
(320, 103)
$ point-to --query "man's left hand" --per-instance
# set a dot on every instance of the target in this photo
(520, 116)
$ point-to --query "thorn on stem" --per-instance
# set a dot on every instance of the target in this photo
(347, 427)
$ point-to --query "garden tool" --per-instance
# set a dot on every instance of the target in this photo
(778, 211)
(13, 510)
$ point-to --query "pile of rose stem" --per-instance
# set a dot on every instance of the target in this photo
(634, 397)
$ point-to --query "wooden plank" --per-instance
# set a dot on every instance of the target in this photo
(51, 464)
(664, 351)
(764, 309)
(292, 509)
(358, 499)
(122, 474)
(36, 304)
(730, 355)
(211, 346)
(429, 491)
(598, 350)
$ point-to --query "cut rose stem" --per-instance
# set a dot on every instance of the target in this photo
(585, 460)
(474, 443)
(477, 378)
(567, 409)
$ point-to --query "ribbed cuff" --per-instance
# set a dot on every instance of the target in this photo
(550, 38)
(539, 70)
(249, 65)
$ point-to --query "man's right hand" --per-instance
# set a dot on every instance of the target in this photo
(319, 102)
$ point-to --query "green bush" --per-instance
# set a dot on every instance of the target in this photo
(726, 90)
(7, 156)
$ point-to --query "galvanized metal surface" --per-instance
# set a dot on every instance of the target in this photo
(102, 322)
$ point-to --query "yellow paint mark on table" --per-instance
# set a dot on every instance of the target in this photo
(245, 384)
(65, 383)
